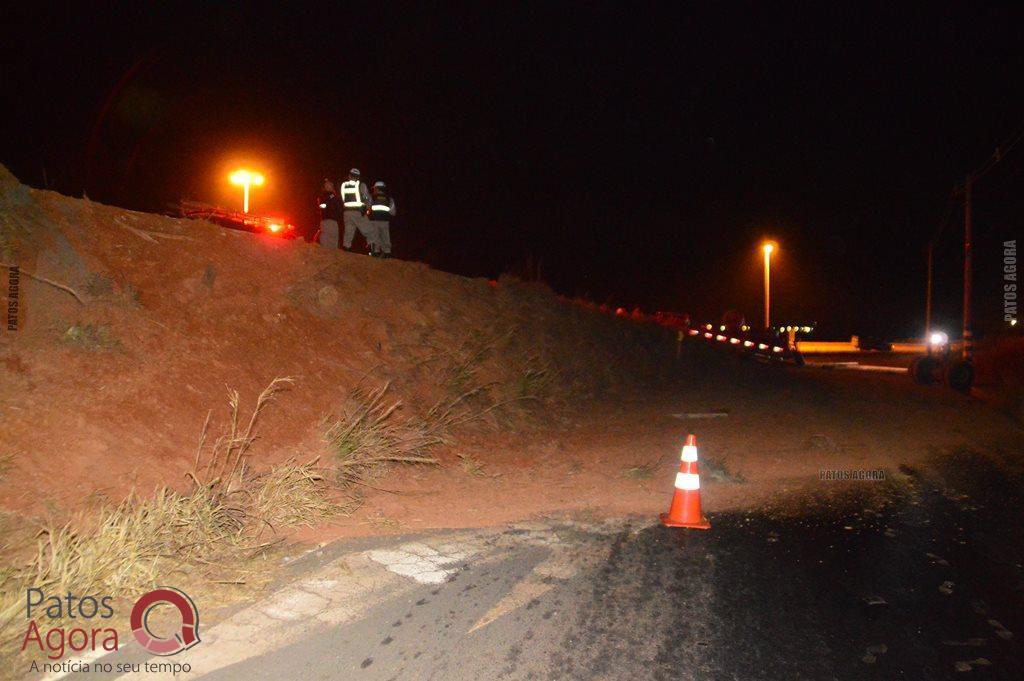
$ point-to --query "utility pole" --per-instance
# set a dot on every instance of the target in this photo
(960, 373)
(767, 248)
(928, 295)
(968, 351)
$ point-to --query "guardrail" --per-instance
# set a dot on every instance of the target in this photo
(838, 347)
(772, 350)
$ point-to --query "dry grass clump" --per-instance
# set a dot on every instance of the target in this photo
(463, 362)
(289, 495)
(131, 546)
(474, 466)
(228, 457)
(285, 496)
(533, 381)
(370, 435)
(15, 535)
(133, 541)
(91, 337)
(489, 370)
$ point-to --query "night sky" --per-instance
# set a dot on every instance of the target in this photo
(637, 153)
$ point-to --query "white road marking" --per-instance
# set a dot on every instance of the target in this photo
(856, 366)
(423, 563)
(558, 566)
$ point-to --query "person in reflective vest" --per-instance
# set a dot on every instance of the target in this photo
(330, 214)
(355, 197)
(382, 209)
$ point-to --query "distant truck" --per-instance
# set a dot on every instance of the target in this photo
(873, 343)
(247, 222)
(942, 364)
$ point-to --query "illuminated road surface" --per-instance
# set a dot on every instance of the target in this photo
(925, 587)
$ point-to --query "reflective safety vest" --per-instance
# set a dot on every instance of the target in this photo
(380, 208)
(350, 195)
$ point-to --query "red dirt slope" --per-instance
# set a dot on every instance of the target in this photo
(109, 390)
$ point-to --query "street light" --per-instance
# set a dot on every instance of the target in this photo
(768, 247)
(246, 179)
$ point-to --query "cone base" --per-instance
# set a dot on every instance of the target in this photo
(702, 525)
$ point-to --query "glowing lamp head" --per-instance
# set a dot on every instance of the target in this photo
(246, 177)
(768, 248)
(275, 227)
(938, 339)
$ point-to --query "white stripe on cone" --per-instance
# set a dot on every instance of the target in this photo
(689, 453)
(687, 481)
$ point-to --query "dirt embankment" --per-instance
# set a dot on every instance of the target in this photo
(132, 326)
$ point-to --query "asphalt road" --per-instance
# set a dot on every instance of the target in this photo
(907, 579)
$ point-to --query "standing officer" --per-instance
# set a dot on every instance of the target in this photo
(382, 209)
(355, 197)
(330, 213)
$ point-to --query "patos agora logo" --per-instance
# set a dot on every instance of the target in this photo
(184, 638)
(78, 637)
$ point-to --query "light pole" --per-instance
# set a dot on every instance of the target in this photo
(767, 248)
(246, 179)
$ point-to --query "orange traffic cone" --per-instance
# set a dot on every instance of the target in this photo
(685, 509)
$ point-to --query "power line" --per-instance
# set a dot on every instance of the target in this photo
(998, 155)
(950, 202)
